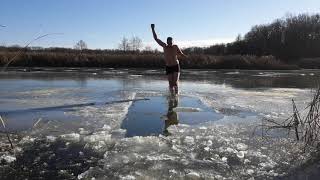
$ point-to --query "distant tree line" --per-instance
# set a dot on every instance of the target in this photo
(126, 46)
(289, 38)
(72, 51)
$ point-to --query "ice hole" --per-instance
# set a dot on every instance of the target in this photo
(153, 117)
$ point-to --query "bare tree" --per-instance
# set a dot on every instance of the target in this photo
(135, 43)
(124, 44)
(239, 38)
(81, 45)
(147, 48)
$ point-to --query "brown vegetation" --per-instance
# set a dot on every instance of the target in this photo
(305, 124)
(138, 60)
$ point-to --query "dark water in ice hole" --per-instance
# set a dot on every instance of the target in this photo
(153, 117)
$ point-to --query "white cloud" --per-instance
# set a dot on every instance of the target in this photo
(203, 43)
(192, 43)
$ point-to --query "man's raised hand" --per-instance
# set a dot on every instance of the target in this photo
(152, 26)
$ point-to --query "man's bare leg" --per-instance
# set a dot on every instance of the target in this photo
(171, 83)
(176, 76)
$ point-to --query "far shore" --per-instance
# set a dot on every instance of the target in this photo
(152, 60)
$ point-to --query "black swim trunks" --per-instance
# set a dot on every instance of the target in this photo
(172, 69)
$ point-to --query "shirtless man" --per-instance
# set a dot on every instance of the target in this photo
(171, 52)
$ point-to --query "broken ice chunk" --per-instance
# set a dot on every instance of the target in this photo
(172, 171)
(189, 140)
(51, 138)
(250, 171)
(186, 109)
(128, 177)
(203, 128)
(82, 131)
(242, 147)
(193, 175)
(246, 161)
(71, 137)
(97, 138)
(27, 139)
(230, 150)
(224, 159)
(106, 127)
(7, 158)
(240, 154)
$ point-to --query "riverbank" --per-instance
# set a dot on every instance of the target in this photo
(143, 60)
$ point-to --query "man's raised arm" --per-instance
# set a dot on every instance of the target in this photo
(156, 37)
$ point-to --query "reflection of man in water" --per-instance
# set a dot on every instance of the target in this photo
(171, 52)
(172, 116)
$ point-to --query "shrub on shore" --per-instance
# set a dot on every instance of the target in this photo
(309, 63)
(139, 60)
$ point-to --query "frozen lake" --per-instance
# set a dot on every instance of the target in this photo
(64, 128)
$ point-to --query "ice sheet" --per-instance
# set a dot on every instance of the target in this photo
(226, 149)
(214, 151)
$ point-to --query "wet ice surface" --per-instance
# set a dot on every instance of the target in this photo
(89, 141)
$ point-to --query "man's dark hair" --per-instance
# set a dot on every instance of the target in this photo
(169, 39)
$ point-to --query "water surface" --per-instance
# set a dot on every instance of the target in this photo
(65, 110)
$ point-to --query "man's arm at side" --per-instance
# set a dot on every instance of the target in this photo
(156, 37)
(180, 53)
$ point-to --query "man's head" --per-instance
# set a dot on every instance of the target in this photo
(169, 41)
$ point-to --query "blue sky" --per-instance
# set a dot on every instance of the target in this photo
(103, 23)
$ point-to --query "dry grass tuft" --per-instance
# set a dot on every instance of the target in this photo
(305, 124)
